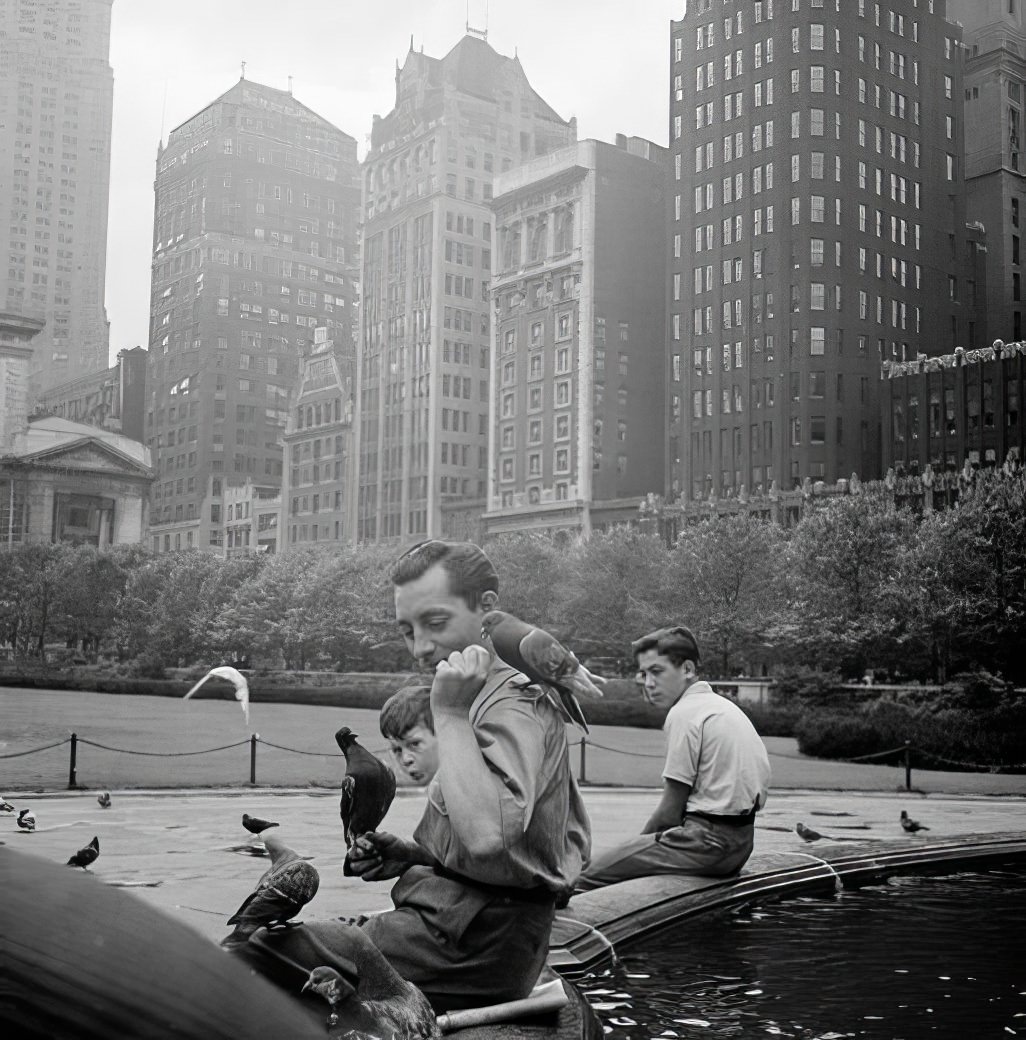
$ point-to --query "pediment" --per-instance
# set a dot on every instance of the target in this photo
(89, 455)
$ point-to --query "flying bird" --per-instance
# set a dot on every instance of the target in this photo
(367, 788)
(381, 1003)
(807, 832)
(5, 805)
(104, 799)
(235, 677)
(255, 825)
(910, 825)
(282, 891)
(27, 820)
(544, 660)
(86, 855)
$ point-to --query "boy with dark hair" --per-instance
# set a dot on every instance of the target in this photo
(407, 725)
(715, 779)
(504, 831)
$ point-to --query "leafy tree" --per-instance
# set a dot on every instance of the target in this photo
(839, 562)
(730, 569)
(616, 588)
(532, 573)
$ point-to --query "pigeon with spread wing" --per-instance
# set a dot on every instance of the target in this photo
(544, 660)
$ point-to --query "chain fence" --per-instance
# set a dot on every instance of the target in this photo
(328, 772)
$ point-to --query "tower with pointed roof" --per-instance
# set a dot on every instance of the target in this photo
(254, 261)
(423, 353)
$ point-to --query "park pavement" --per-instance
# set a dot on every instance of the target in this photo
(186, 852)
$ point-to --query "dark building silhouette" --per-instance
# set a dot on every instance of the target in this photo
(817, 229)
(254, 251)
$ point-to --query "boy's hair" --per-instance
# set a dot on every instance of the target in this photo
(678, 644)
(406, 708)
(470, 572)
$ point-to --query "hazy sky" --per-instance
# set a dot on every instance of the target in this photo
(604, 61)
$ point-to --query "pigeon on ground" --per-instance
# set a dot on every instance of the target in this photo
(381, 1003)
(5, 805)
(85, 856)
(235, 677)
(910, 825)
(27, 820)
(282, 891)
(255, 825)
(367, 788)
(544, 660)
(807, 832)
(104, 799)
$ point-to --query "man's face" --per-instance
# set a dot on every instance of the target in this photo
(433, 621)
(416, 753)
(662, 681)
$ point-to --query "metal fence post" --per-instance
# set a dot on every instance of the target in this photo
(582, 777)
(908, 765)
(73, 763)
(252, 757)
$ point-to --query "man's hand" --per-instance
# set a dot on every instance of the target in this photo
(459, 679)
(377, 856)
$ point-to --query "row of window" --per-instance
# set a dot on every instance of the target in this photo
(560, 464)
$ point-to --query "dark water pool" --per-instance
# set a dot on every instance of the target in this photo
(911, 957)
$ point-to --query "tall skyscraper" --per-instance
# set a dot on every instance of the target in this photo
(818, 229)
(422, 411)
(994, 35)
(578, 370)
(56, 93)
(254, 251)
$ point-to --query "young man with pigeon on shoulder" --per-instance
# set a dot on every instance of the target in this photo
(715, 779)
(504, 832)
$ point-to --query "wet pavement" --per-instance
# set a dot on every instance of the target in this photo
(187, 852)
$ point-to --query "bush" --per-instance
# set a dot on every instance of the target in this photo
(772, 720)
(972, 691)
(948, 738)
(148, 665)
(810, 688)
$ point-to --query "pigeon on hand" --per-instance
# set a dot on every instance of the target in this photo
(27, 820)
(807, 832)
(282, 891)
(255, 825)
(86, 855)
(5, 805)
(382, 1003)
(104, 799)
(544, 660)
(910, 825)
(367, 788)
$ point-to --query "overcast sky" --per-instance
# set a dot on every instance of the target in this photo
(604, 61)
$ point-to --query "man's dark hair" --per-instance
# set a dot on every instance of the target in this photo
(406, 708)
(678, 644)
(470, 572)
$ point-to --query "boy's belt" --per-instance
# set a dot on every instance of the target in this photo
(538, 894)
(744, 820)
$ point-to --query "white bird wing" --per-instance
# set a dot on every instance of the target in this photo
(235, 677)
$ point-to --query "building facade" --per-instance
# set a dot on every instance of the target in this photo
(252, 519)
(56, 93)
(422, 375)
(320, 466)
(817, 229)
(254, 250)
(957, 409)
(114, 398)
(994, 38)
(578, 360)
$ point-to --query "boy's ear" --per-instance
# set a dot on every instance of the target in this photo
(489, 600)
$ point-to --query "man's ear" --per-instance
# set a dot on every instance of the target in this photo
(489, 600)
(690, 669)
